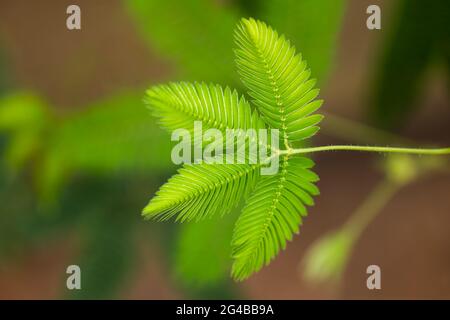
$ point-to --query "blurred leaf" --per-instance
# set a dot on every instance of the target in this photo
(15, 213)
(109, 136)
(106, 256)
(418, 32)
(190, 34)
(106, 225)
(400, 168)
(248, 8)
(49, 178)
(22, 111)
(203, 254)
(21, 223)
(116, 134)
(24, 117)
(327, 258)
(312, 25)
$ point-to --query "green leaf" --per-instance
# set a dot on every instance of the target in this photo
(178, 105)
(407, 53)
(107, 254)
(203, 255)
(24, 118)
(202, 190)
(278, 80)
(327, 257)
(190, 34)
(272, 215)
(21, 111)
(199, 191)
(112, 135)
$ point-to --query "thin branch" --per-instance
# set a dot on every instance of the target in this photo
(420, 151)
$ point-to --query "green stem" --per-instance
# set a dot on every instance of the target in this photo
(370, 208)
(440, 151)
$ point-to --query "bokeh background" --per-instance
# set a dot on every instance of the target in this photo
(80, 155)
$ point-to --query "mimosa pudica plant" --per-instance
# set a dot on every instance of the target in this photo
(284, 97)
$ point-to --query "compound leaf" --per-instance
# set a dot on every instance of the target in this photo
(284, 95)
(278, 80)
(272, 215)
(202, 190)
(178, 105)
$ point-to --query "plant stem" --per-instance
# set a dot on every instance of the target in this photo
(370, 208)
(440, 151)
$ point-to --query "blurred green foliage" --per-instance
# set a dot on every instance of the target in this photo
(93, 148)
(108, 250)
(204, 251)
(116, 134)
(312, 26)
(419, 36)
(190, 34)
(96, 213)
(106, 137)
(327, 258)
(196, 36)
(24, 117)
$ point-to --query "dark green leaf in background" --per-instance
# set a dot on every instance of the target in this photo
(203, 256)
(313, 26)
(190, 33)
(416, 37)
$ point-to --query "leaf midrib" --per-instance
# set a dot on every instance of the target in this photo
(271, 213)
(216, 185)
(275, 88)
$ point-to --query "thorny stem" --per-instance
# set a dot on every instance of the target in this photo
(420, 151)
